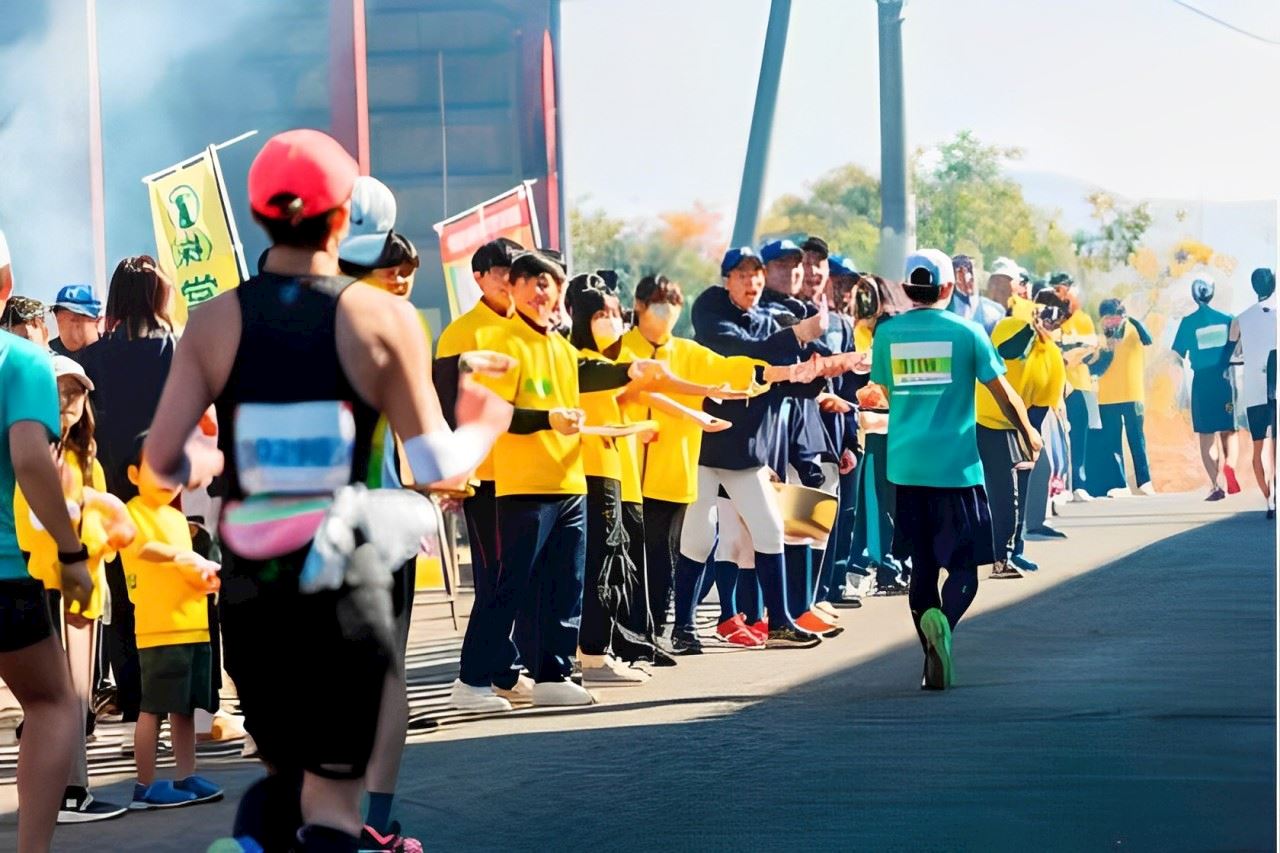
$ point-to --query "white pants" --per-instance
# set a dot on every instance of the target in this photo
(734, 542)
(752, 496)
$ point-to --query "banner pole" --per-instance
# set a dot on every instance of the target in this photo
(236, 245)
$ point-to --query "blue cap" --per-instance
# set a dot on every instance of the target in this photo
(734, 258)
(775, 249)
(80, 299)
(840, 265)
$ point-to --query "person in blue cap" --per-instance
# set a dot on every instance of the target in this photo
(1203, 342)
(78, 313)
(731, 321)
(928, 361)
(783, 277)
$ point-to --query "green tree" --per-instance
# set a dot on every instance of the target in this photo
(1118, 236)
(842, 207)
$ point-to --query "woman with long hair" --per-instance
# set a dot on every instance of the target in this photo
(128, 368)
(81, 474)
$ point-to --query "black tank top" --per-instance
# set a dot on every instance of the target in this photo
(288, 353)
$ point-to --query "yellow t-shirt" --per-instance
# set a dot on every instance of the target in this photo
(459, 337)
(168, 611)
(1123, 380)
(669, 464)
(545, 377)
(862, 338)
(600, 456)
(43, 563)
(1039, 377)
(1078, 329)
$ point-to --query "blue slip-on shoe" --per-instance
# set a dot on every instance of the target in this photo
(160, 794)
(205, 791)
(1022, 564)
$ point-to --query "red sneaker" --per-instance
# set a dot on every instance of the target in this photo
(1233, 485)
(760, 629)
(735, 632)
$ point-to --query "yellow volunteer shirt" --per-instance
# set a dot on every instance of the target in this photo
(43, 564)
(1079, 329)
(168, 611)
(669, 464)
(1039, 377)
(545, 377)
(459, 337)
(600, 456)
(862, 338)
(1123, 380)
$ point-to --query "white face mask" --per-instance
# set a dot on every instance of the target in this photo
(606, 331)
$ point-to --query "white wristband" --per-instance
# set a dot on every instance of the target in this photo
(443, 455)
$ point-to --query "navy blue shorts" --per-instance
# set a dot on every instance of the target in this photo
(24, 614)
(949, 527)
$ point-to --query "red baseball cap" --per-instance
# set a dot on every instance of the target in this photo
(299, 174)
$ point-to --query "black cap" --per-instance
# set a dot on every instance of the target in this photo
(579, 283)
(816, 245)
(1111, 308)
(496, 253)
(535, 263)
(1060, 278)
(610, 279)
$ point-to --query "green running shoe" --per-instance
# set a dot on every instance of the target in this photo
(937, 631)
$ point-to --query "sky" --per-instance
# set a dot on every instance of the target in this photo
(1141, 97)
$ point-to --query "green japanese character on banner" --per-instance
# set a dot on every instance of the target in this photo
(191, 247)
(199, 289)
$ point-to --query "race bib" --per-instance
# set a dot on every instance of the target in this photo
(921, 363)
(294, 448)
(1211, 337)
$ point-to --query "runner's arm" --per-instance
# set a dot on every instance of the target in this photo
(1011, 406)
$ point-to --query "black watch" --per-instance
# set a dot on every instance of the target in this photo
(81, 555)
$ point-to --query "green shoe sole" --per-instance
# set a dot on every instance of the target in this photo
(938, 632)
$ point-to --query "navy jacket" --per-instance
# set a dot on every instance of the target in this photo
(757, 431)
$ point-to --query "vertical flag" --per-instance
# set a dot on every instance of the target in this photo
(510, 215)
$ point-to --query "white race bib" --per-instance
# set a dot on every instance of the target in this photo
(921, 363)
(294, 448)
(1211, 337)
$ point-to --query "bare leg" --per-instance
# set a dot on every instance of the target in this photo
(333, 803)
(38, 677)
(1208, 442)
(182, 731)
(388, 744)
(145, 736)
(1260, 467)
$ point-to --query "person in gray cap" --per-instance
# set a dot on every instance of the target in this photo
(967, 302)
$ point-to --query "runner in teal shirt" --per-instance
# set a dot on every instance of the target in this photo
(1202, 341)
(28, 392)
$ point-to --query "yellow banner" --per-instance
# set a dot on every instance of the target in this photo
(195, 235)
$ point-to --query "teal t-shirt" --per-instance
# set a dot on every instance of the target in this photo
(1202, 339)
(28, 392)
(928, 360)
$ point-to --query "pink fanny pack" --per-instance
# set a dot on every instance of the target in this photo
(264, 528)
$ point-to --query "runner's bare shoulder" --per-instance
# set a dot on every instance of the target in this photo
(212, 337)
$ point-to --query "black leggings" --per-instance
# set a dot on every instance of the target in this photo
(662, 523)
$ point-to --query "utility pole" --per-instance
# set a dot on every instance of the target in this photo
(757, 162)
(897, 217)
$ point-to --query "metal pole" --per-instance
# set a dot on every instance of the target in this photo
(97, 187)
(348, 79)
(757, 162)
(897, 220)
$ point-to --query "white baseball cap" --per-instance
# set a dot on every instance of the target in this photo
(63, 366)
(373, 216)
(1006, 266)
(935, 263)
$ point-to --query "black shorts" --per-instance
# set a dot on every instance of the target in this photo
(24, 614)
(177, 679)
(310, 693)
(1262, 420)
(948, 527)
(403, 583)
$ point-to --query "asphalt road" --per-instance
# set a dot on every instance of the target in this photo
(1121, 698)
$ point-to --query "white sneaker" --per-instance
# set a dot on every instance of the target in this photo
(521, 694)
(1082, 496)
(827, 610)
(1119, 492)
(1147, 489)
(560, 693)
(606, 669)
(464, 697)
(250, 748)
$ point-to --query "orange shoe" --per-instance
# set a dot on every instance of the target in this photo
(815, 624)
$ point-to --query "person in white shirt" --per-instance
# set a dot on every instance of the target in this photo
(1255, 330)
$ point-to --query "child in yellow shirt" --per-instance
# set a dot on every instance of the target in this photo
(168, 584)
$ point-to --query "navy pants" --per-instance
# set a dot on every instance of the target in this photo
(1121, 422)
(1078, 420)
(481, 513)
(839, 553)
(542, 542)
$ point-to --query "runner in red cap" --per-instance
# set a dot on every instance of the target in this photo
(294, 360)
